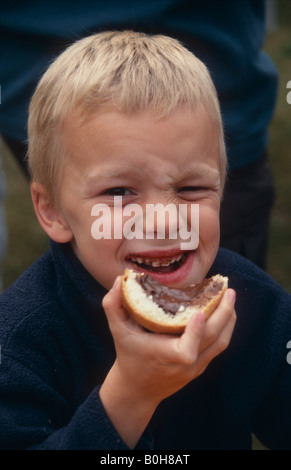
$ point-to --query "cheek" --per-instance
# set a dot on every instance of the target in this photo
(99, 256)
(101, 259)
(209, 227)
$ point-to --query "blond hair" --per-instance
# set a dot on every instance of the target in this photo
(128, 70)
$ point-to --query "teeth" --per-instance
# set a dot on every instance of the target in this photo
(156, 263)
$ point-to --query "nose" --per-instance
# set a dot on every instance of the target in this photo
(161, 221)
(170, 221)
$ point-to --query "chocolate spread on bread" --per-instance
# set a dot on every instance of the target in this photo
(171, 300)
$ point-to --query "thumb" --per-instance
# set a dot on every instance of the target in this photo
(112, 303)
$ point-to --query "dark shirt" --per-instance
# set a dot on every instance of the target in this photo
(56, 350)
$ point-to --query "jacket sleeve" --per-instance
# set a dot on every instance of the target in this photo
(29, 410)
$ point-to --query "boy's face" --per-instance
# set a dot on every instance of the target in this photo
(146, 161)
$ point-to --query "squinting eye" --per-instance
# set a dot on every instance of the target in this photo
(192, 188)
(117, 191)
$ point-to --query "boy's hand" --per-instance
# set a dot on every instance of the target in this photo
(150, 367)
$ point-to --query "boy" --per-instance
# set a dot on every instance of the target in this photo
(134, 116)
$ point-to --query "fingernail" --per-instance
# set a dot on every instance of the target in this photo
(231, 295)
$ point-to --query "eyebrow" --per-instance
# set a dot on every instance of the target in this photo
(200, 172)
(109, 174)
(193, 172)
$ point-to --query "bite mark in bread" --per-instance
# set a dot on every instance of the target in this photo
(142, 306)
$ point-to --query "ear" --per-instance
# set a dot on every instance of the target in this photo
(51, 220)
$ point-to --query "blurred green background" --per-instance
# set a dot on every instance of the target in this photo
(278, 46)
(26, 240)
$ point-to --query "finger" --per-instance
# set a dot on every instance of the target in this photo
(112, 303)
(118, 317)
(223, 310)
(218, 321)
(188, 344)
(216, 348)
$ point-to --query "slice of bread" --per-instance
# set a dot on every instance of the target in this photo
(151, 316)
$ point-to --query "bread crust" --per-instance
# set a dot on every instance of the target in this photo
(169, 324)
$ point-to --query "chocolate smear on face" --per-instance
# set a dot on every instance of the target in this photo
(171, 299)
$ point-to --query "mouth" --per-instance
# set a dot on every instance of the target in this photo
(159, 265)
(165, 267)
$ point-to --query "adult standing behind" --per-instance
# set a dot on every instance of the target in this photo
(227, 36)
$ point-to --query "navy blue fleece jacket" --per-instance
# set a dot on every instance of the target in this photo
(56, 350)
